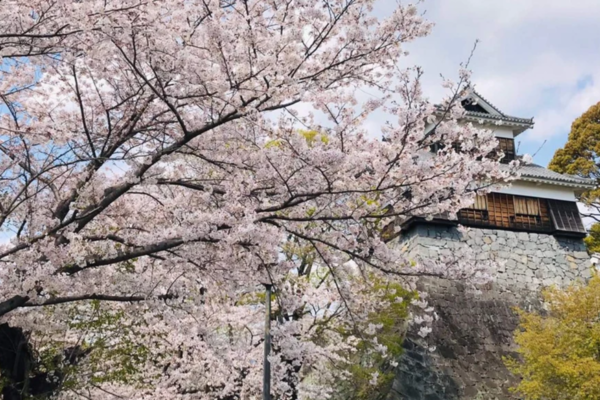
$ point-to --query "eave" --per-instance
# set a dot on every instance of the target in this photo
(553, 182)
(411, 222)
(521, 124)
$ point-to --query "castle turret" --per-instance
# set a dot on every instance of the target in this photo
(534, 229)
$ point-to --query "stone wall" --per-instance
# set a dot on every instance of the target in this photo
(474, 331)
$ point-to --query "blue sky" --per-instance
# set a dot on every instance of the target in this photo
(536, 58)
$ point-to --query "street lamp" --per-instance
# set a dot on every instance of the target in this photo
(266, 364)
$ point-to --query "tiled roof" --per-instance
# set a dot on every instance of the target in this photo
(475, 116)
(506, 118)
(537, 173)
(487, 101)
(497, 116)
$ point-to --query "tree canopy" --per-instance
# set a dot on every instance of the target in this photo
(581, 156)
(560, 349)
(157, 167)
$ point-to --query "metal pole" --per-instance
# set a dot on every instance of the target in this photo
(266, 364)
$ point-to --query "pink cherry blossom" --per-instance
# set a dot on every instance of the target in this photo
(152, 160)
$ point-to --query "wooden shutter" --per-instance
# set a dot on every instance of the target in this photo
(565, 215)
(480, 203)
(508, 211)
(527, 206)
(501, 209)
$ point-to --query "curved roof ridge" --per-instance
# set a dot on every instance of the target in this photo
(487, 101)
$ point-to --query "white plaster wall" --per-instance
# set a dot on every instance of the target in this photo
(499, 130)
(504, 132)
(543, 191)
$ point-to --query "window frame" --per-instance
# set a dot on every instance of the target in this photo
(553, 216)
(507, 146)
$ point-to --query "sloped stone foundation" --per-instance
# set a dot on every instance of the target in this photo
(474, 330)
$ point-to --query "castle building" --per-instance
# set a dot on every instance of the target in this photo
(533, 227)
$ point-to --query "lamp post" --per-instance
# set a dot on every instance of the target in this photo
(266, 364)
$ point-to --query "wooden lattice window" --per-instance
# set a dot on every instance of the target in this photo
(478, 212)
(508, 211)
(501, 210)
(565, 215)
(480, 203)
(527, 206)
(507, 146)
(527, 210)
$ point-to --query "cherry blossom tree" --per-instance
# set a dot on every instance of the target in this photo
(155, 171)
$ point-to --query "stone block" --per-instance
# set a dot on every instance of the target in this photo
(539, 253)
(515, 256)
(548, 282)
(547, 261)
(560, 259)
(446, 252)
(544, 246)
(531, 246)
(586, 273)
(540, 272)
(512, 243)
(524, 236)
(434, 396)
(483, 256)
(533, 237)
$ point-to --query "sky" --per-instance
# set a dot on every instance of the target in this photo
(535, 58)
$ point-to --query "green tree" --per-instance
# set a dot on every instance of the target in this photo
(593, 239)
(581, 156)
(560, 349)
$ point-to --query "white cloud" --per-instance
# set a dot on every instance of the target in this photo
(531, 61)
(536, 59)
(557, 120)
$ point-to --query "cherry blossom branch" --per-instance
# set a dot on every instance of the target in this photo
(25, 302)
(72, 299)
